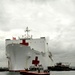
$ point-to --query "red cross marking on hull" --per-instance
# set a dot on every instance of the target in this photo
(36, 61)
(24, 43)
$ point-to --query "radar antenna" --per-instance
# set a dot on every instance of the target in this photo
(27, 31)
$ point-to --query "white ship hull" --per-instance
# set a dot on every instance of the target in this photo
(21, 57)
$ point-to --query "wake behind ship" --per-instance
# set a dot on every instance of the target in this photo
(28, 56)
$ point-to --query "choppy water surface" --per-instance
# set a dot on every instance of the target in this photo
(51, 73)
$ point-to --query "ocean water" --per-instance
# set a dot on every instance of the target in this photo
(62, 73)
(51, 73)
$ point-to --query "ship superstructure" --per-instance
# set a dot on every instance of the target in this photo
(28, 53)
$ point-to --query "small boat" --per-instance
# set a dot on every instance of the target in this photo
(33, 73)
(60, 67)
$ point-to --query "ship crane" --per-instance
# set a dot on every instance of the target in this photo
(27, 31)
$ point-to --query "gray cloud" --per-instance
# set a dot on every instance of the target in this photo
(53, 18)
(18, 14)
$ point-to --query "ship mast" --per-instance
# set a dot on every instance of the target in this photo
(27, 31)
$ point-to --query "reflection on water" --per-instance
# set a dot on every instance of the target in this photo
(51, 73)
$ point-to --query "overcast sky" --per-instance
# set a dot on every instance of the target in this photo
(50, 18)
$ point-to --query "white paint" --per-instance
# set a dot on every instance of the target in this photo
(21, 56)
